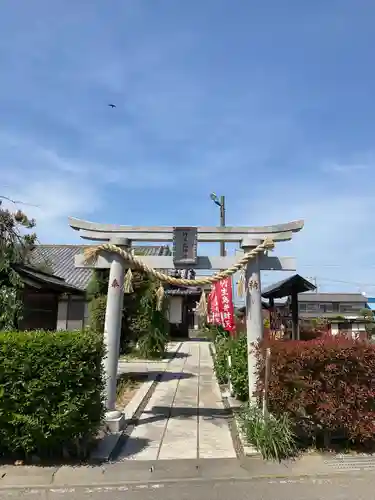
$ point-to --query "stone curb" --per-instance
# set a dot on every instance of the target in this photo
(71, 479)
(109, 443)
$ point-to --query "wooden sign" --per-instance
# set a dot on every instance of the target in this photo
(185, 243)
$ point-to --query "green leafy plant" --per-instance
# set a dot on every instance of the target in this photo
(97, 308)
(50, 393)
(239, 372)
(152, 345)
(98, 284)
(139, 314)
(272, 436)
(222, 349)
(15, 246)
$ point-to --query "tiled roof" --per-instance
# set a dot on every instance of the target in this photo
(332, 297)
(36, 278)
(287, 286)
(60, 258)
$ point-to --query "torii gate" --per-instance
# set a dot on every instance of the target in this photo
(248, 237)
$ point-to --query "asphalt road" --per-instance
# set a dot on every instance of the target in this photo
(338, 487)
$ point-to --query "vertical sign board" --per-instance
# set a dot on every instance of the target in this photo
(185, 243)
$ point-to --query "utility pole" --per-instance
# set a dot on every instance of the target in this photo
(222, 224)
(220, 203)
(313, 279)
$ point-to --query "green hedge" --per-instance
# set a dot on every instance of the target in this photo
(222, 347)
(239, 372)
(51, 386)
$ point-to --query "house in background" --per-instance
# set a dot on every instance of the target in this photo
(342, 310)
(42, 296)
(58, 301)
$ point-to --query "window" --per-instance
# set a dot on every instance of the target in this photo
(336, 307)
(348, 308)
(302, 307)
(326, 308)
(312, 307)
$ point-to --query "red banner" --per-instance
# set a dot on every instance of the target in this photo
(226, 304)
(220, 306)
(213, 307)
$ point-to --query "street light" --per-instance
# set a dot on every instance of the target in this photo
(220, 202)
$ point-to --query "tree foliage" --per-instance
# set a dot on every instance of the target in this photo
(16, 241)
(142, 324)
(368, 316)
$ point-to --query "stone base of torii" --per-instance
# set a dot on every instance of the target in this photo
(123, 236)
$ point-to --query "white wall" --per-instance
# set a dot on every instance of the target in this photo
(175, 309)
(356, 328)
(334, 328)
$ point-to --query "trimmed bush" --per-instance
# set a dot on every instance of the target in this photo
(222, 347)
(50, 393)
(325, 385)
(238, 372)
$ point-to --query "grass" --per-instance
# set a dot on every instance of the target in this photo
(127, 386)
(272, 436)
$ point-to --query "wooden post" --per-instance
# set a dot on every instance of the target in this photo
(294, 311)
(267, 371)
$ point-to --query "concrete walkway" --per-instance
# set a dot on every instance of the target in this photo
(185, 415)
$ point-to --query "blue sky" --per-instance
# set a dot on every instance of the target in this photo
(270, 103)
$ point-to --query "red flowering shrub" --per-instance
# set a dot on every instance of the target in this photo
(326, 384)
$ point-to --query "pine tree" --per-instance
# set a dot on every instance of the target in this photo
(16, 241)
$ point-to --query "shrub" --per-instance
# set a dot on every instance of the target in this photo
(239, 372)
(216, 332)
(222, 347)
(97, 308)
(152, 344)
(324, 385)
(50, 393)
(272, 436)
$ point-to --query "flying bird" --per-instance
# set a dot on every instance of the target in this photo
(112, 105)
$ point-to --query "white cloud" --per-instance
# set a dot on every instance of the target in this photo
(336, 244)
(55, 199)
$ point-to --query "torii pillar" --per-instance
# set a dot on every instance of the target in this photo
(254, 312)
(112, 333)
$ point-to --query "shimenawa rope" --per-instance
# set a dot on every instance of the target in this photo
(91, 255)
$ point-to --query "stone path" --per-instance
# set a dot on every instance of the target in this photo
(185, 416)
